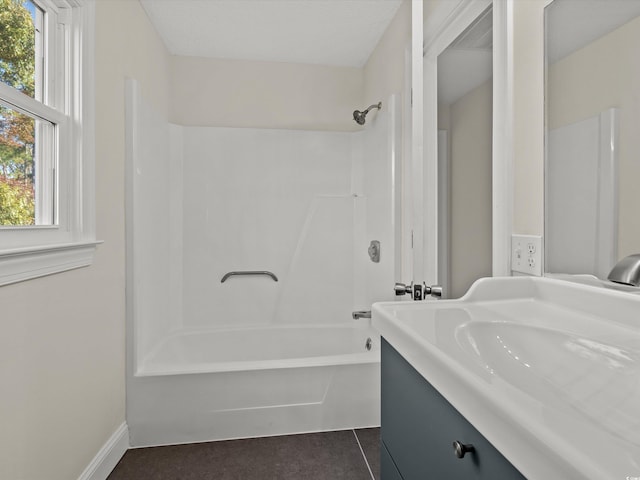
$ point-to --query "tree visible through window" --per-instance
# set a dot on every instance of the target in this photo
(20, 33)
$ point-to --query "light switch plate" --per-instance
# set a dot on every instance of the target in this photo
(526, 254)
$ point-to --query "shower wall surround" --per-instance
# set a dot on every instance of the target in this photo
(301, 204)
(154, 224)
(276, 200)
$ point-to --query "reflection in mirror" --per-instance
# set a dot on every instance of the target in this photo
(593, 114)
(465, 154)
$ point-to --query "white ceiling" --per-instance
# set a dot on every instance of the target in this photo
(324, 32)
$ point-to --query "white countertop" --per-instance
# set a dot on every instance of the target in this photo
(548, 371)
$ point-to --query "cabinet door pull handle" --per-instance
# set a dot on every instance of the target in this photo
(460, 449)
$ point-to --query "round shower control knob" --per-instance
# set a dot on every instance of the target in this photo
(460, 449)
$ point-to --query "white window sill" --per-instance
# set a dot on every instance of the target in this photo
(22, 264)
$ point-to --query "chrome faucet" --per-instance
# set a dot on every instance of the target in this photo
(627, 271)
(357, 315)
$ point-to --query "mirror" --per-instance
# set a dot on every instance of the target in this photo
(592, 142)
(465, 113)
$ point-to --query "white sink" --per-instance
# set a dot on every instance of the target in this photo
(596, 378)
(547, 370)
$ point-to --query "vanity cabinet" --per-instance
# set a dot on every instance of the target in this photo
(419, 428)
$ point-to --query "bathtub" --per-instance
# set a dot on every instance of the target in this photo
(202, 385)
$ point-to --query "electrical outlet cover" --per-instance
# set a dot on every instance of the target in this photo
(526, 254)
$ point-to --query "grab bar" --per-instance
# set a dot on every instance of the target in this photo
(247, 273)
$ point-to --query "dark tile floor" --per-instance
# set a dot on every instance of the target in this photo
(342, 455)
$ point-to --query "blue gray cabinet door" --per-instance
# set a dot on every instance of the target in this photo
(419, 427)
(388, 469)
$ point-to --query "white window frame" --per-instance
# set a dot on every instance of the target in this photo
(68, 100)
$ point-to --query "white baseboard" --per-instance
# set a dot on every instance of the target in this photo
(108, 456)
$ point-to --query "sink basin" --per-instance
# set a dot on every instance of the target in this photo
(598, 379)
(547, 370)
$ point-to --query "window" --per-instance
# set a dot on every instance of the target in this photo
(21, 47)
(46, 137)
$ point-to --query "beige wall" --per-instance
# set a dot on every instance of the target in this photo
(240, 93)
(470, 195)
(62, 348)
(528, 121)
(384, 72)
(602, 75)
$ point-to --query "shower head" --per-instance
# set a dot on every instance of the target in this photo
(359, 116)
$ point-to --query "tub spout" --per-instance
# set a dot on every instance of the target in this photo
(361, 314)
(627, 271)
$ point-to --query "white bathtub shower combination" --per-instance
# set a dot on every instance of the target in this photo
(263, 354)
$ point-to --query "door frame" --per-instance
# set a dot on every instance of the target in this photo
(443, 25)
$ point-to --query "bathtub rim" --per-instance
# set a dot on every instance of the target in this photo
(352, 358)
